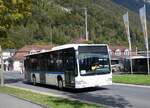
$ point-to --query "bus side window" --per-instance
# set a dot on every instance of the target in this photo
(59, 61)
(26, 62)
(51, 62)
(42, 64)
(69, 63)
(34, 64)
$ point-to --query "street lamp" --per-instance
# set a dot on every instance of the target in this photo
(2, 67)
(86, 23)
(86, 29)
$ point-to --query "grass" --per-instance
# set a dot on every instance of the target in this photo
(132, 79)
(50, 102)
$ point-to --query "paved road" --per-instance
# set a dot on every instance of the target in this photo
(7, 101)
(115, 96)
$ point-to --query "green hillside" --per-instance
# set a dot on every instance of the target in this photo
(60, 21)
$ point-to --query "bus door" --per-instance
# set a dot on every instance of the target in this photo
(42, 67)
(69, 67)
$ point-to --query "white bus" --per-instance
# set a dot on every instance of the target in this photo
(71, 66)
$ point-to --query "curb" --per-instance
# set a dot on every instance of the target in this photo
(35, 91)
(131, 85)
(53, 95)
(28, 101)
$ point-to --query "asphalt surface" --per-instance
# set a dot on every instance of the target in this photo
(7, 101)
(115, 96)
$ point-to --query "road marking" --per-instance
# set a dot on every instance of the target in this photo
(131, 85)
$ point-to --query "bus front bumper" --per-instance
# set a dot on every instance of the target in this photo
(93, 81)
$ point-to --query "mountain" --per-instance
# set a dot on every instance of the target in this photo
(134, 5)
(61, 21)
(147, 1)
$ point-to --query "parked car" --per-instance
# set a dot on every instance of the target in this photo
(117, 67)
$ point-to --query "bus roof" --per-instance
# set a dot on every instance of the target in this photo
(75, 46)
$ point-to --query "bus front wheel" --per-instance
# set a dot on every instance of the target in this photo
(60, 84)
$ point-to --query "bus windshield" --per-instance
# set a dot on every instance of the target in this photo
(94, 63)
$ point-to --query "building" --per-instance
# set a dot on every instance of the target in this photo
(7, 55)
(18, 58)
(139, 62)
(118, 53)
(120, 59)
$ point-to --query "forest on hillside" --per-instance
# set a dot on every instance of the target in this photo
(134, 5)
(60, 21)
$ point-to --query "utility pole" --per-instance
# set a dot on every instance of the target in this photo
(2, 67)
(86, 28)
(51, 36)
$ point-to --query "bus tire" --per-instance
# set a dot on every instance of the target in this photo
(34, 80)
(60, 84)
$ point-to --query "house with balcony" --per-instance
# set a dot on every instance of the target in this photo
(120, 59)
(19, 56)
(7, 55)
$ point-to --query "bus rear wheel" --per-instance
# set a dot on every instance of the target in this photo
(60, 84)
